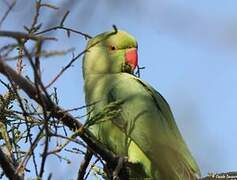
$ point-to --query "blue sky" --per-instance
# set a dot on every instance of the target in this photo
(189, 51)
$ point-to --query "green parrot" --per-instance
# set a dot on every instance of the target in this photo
(143, 128)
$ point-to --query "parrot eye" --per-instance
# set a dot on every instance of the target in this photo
(112, 47)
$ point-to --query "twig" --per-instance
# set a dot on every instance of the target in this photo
(7, 12)
(5, 50)
(35, 19)
(43, 53)
(72, 138)
(63, 28)
(21, 35)
(29, 152)
(19, 65)
(92, 165)
(79, 55)
(64, 18)
(45, 153)
(69, 139)
(138, 72)
(49, 6)
(84, 165)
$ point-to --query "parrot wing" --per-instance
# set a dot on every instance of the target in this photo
(150, 129)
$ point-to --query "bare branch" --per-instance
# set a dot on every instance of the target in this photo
(64, 18)
(64, 28)
(21, 35)
(19, 65)
(29, 152)
(49, 6)
(10, 6)
(8, 167)
(84, 165)
(43, 53)
(60, 114)
(79, 55)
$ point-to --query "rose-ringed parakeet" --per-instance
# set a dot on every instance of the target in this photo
(144, 128)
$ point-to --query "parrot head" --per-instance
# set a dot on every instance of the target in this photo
(110, 53)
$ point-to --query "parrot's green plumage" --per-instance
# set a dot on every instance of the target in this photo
(144, 129)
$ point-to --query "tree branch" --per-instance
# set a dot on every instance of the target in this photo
(60, 114)
(21, 35)
(84, 165)
(7, 12)
(8, 167)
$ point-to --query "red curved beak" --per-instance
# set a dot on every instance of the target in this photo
(131, 57)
